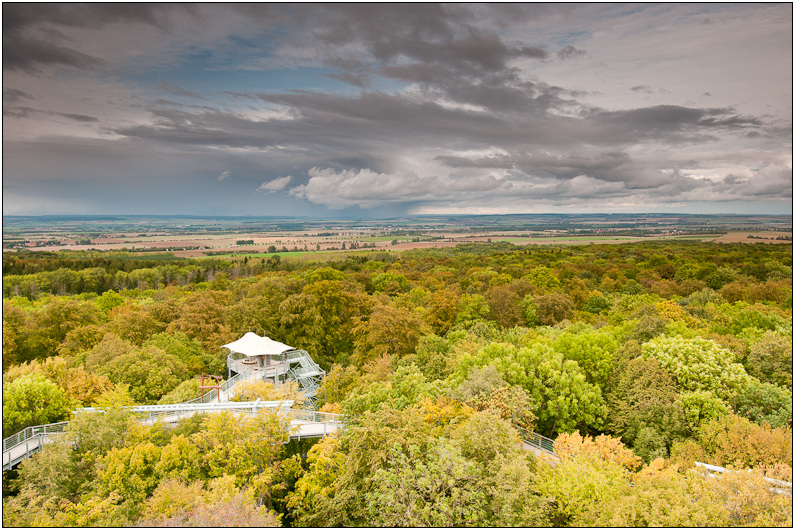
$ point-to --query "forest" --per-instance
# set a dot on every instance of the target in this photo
(637, 359)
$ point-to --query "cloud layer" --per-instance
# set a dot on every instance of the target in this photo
(354, 108)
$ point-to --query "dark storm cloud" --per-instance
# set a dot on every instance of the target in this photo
(27, 112)
(536, 144)
(20, 16)
(179, 91)
(569, 52)
(31, 36)
(427, 34)
(667, 122)
(602, 165)
(13, 95)
(28, 54)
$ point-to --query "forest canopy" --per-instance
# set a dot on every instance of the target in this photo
(638, 359)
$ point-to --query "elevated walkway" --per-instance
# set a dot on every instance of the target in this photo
(540, 445)
(295, 365)
(289, 364)
(302, 423)
(20, 446)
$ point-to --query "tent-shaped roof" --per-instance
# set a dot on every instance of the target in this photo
(252, 345)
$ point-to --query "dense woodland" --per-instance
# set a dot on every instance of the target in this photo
(638, 359)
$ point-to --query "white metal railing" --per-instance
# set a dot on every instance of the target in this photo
(536, 440)
(308, 384)
(228, 385)
(315, 416)
(205, 398)
(27, 441)
(176, 411)
(304, 371)
(31, 432)
(303, 423)
(295, 354)
(780, 483)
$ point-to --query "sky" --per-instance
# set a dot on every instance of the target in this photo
(382, 110)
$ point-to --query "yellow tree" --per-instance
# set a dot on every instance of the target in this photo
(388, 331)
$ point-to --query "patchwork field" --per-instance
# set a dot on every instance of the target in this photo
(195, 237)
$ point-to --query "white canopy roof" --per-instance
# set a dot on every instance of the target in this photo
(252, 345)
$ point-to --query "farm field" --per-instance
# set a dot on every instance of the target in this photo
(196, 237)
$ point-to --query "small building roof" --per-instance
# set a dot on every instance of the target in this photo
(252, 345)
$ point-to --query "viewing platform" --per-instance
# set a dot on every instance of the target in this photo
(273, 361)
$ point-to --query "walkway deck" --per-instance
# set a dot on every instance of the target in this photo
(303, 423)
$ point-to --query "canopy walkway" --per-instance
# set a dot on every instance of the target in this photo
(302, 423)
(540, 445)
(28, 441)
(780, 487)
(298, 366)
(295, 365)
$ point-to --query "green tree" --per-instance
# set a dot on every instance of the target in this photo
(249, 447)
(46, 328)
(770, 360)
(577, 482)
(558, 388)
(105, 350)
(65, 471)
(390, 283)
(504, 306)
(701, 406)
(185, 391)
(150, 372)
(189, 351)
(644, 409)
(765, 403)
(405, 387)
(33, 400)
(596, 304)
(594, 350)
(317, 485)
(203, 316)
(321, 318)
(130, 472)
(473, 308)
(338, 383)
(433, 487)
(442, 310)
(432, 357)
(134, 324)
(543, 278)
(698, 365)
(529, 310)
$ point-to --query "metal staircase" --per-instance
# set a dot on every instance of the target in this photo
(308, 374)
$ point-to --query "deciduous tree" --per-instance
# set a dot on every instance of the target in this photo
(33, 400)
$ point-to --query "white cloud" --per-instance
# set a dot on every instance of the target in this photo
(368, 189)
(223, 176)
(272, 186)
